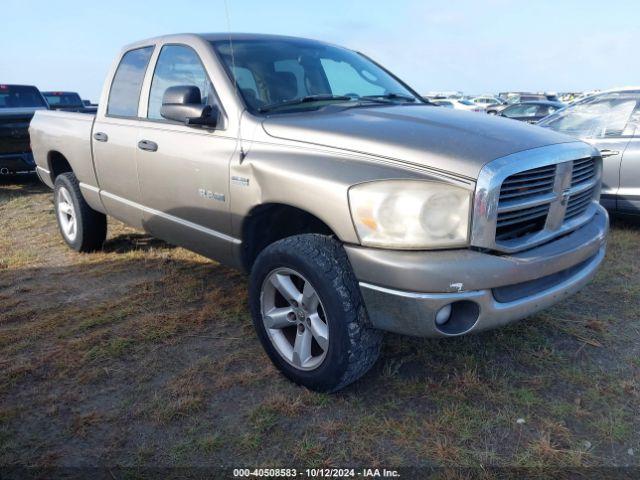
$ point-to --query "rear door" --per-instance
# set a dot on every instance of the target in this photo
(184, 177)
(115, 138)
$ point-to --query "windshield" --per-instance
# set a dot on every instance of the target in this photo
(63, 99)
(598, 116)
(465, 102)
(271, 72)
(19, 96)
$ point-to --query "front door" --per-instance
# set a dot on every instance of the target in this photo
(184, 170)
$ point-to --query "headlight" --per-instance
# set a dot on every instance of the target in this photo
(406, 214)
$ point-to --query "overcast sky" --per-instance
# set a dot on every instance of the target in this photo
(474, 46)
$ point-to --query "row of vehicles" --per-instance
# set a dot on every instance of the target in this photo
(18, 103)
(495, 105)
(355, 206)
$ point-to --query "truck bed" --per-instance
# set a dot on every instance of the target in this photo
(67, 134)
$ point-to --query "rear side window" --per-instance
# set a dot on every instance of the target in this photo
(178, 65)
(127, 83)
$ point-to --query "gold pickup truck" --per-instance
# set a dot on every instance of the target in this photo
(356, 206)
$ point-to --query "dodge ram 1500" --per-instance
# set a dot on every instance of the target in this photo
(355, 206)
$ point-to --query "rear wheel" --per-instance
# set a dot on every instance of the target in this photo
(82, 228)
(309, 314)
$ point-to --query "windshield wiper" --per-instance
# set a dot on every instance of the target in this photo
(307, 99)
(390, 96)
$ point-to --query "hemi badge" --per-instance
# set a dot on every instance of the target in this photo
(240, 181)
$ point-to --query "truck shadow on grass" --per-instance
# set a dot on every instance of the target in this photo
(149, 358)
(133, 242)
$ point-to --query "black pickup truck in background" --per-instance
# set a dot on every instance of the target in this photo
(68, 101)
(18, 103)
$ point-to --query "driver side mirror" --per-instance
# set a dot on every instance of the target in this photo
(183, 104)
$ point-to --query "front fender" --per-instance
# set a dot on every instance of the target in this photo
(313, 180)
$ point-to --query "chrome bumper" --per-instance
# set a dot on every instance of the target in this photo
(523, 287)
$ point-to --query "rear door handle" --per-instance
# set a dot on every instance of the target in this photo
(608, 153)
(100, 136)
(147, 145)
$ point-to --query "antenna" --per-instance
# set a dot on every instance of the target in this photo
(233, 58)
(233, 75)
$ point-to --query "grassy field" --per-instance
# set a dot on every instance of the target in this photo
(144, 354)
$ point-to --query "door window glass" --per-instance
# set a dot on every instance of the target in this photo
(521, 111)
(127, 83)
(633, 126)
(178, 65)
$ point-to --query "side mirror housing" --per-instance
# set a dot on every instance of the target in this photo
(183, 104)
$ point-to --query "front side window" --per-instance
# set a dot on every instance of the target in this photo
(599, 116)
(20, 96)
(269, 72)
(127, 83)
(177, 65)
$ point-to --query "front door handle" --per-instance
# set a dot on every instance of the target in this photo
(100, 136)
(147, 145)
(608, 153)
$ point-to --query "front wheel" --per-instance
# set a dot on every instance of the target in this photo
(309, 314)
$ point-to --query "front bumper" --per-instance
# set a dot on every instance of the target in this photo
(17, 162)
(403, 291)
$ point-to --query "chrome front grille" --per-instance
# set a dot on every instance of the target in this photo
(521, 222)
(523, 202)
(578, 203)
(583, 171)
(528, 184)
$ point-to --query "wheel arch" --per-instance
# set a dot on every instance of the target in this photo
(57, 164)
(270, 222)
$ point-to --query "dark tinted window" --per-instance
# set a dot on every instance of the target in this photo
(19, 96)
(177, 65)
(62, 98)
(127, 82)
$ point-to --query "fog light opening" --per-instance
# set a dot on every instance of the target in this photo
(457, 317)
(443, 315)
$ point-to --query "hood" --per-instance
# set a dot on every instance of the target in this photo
(453, 141)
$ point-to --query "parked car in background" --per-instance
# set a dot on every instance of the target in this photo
(457, 104)
(486, 101)
(611, 122)
(18, 103)
(519, 97)
(355, 207)
(450, 94)
(89, 103)
(530, 112)
(67, 101)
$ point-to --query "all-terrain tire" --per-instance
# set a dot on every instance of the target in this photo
(353, 346)
(90, 226)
